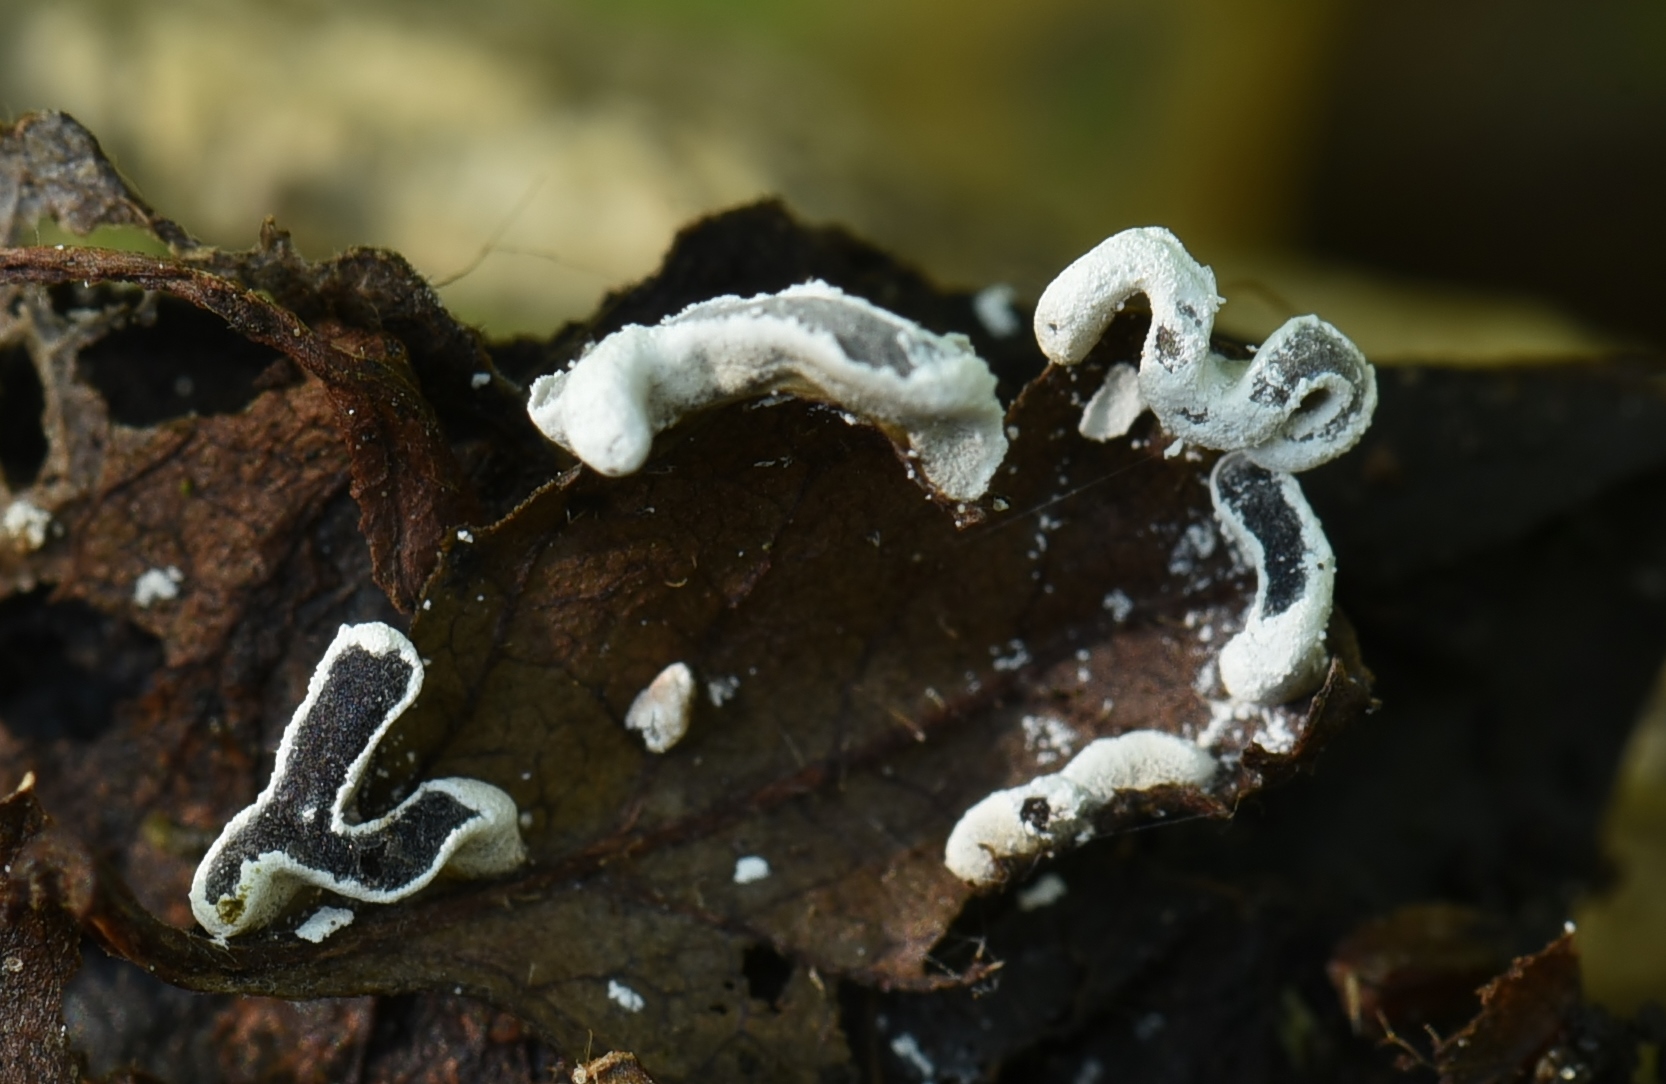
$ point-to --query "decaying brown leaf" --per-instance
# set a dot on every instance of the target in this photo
(1417, 967)
(1525, 1014)
(871, 660)
(39, 946)
(614, 1068)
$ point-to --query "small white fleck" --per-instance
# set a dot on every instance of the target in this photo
(750, 868)
(26, 522)
(624, 997)
(1174, 449)
(993, 306)
(308, 814)
(1092, 1071)
(1119, 605)
(465, 536)
(1568, 926)
(1047, 890)
(324, 922)
(906, 1047)
(1048, 739)
(480, 380)
(13, 964)
(721, 690)
(427, 604)
(525, 819)
(1018, 656)
(157, 585)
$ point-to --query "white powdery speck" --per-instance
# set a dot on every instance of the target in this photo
(721, 690)
(26, 522)
(480, 380)
(750, 869)
(993, 306)
(624, 997)
(1018, 656)
(157, 585)
(1119, 605)
(660, 712)
(1047, 890)
(1048, 739)
(465, 536)
(906, 1047)
(324, 922)
(1196, 543)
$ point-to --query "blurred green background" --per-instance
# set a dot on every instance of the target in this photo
(1341, 155)
(1455, 182)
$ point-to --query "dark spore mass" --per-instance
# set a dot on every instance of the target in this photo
(360, 691)
(1256, 496)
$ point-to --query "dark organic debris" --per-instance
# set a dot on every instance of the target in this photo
(42, 895)
(1535, 1025)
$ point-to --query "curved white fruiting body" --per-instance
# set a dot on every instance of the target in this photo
(1055, 810)
(811, 340)
(298, 832)
(660, 712)
(1305, 397)
(1280, 654)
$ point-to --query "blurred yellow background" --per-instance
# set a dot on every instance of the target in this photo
(1446, 182)
(986, 142)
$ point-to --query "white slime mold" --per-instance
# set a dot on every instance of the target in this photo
(300, 830)
(1280, 653)
(1305, 397)
(930, 391)
(1053, 811)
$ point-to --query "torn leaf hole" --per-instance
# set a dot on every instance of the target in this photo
(22, 403)
(64, 667)
(186, 361)
(767, 973)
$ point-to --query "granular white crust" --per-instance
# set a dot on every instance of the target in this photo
(1280, 654)
(1306, 396)
(1054, 811)
(929, 391)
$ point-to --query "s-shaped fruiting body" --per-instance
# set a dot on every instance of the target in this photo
(301, 831)
(1306, 396)
(813, 340)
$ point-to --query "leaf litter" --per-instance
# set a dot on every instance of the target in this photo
(880, 647)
